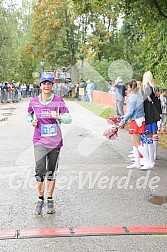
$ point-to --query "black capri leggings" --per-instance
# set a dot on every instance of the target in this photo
(46, 161)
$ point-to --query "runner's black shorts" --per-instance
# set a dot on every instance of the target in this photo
(46, 162)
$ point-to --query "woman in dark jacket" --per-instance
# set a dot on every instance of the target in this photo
(152, 109)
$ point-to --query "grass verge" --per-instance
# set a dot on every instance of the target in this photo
(163, 140)
(97, 109)
(70, 98)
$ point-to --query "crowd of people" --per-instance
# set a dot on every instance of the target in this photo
(147, 108)
(63, 89)
(121, 95)
(84, 90)
(14, 91)
(10, 92)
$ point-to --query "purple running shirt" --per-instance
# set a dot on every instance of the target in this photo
(48, 131)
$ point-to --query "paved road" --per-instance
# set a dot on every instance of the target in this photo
(94, 188)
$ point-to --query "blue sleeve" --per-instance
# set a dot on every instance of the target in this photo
(131, 109)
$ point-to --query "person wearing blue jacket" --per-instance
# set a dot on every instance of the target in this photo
(136, 116)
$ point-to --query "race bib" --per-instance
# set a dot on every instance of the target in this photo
(48, 130)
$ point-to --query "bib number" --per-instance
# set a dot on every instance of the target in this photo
(48, 130)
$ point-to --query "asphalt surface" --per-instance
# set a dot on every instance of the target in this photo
(94, 188)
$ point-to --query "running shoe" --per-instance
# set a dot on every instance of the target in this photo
(50, 206)
(38, 207)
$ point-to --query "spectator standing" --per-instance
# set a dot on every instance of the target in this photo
(18, 86)
(27, 89)
(14, 92)
(38, 88)
(24, 90)
(89, 89)
(77, 91)
(83, 90)
(120, 96)
(135, 115)
(35, 89)
(31, 90)
(54, 88)
(3, 92)
(9, 92)
(162, 122)
(111, 87)
(152, 109)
